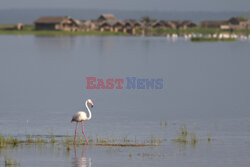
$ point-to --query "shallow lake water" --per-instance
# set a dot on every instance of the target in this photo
(206, 87)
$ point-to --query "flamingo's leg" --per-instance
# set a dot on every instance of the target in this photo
(84, 134)
(75, 132)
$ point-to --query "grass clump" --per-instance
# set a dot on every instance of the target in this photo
(204, 39)
(194, 139)
(9, 141)
(68, 141)
(90, 140)
(29, 139)
(3, 142)
(39, 140)
(165, 124)
(52, 138)
(80, 141)
(68, 148)
(155, 141)
(130, 155)
(13, 141)
(182, 135)
(103, 140)
(209, 138)
(186, 138)
(9, 161)
(7, 29)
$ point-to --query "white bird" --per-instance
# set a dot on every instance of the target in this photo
(82, 116)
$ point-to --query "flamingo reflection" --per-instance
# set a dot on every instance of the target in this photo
(84, 161)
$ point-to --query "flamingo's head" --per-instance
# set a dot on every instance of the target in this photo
(90, 102)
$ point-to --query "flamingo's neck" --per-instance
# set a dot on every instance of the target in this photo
(90, 115)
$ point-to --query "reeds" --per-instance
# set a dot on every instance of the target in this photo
(98, 141)
(52, 138)
(183, 136)
(4, 142)
(10, 161)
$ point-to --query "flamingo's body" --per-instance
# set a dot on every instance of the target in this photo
(82, 116)
(79, 117)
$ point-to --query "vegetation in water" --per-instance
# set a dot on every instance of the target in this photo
(182, 136)
(52, 138)
(9, 161)
(165, 123)
(205, 39)
(194, 139)
(208, 138)
(29, 139)
(30, 30)
(8, 141)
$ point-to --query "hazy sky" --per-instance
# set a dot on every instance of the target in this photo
(164, 5)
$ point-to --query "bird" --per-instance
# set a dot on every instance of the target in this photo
(82, 116)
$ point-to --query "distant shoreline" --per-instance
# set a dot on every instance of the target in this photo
(204, 34)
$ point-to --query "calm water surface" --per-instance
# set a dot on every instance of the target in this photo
(206, 87)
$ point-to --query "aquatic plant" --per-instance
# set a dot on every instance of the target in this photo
(208, 138)
(130, 155)
(13, 141)
(194, 139)
(29, 139)
(155, 141)
(3, 142)
(98, 141)
(165, 123)
(6, 141)
(90, 140)
(203, 39)
(182, 135)
(39, 140)
(9, 161)
(68, 140)
(52, 138)
(68, 148)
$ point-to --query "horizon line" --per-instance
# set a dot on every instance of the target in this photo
(126, 10)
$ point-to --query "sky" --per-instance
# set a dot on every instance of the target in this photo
(152, 5)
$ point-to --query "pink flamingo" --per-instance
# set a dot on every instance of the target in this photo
(82, 116)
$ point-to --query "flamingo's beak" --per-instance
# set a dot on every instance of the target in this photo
(92, 104)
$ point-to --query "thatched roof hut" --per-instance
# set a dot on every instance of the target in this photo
(106, 25)
(233, 21)
(163, 25)
(106, 17)
(89, 25)
(183, 24)
(212, 24)
(56, 23)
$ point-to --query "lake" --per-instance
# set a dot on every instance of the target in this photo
(206, 88)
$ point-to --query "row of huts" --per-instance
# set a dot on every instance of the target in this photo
(108, 22)
(233, 23)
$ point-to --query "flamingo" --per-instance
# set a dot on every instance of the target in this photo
(82, 116)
